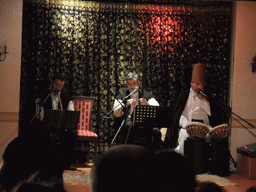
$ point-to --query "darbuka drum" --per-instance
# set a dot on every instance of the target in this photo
(220, 131)
(196, 129)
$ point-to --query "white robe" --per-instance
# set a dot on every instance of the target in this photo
(195, 108)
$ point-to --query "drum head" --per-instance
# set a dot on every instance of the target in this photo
(220, 131)
(196, 129)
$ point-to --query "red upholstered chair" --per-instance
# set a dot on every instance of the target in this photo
(84, 105)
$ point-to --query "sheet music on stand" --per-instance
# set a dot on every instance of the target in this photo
(144, 114)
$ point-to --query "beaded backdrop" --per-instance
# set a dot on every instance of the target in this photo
(95, 44)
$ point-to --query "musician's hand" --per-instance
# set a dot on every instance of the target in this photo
(201, 96)
(143, 101)
(131, 102)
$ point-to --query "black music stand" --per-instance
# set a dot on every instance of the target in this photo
(61, 119)
(144, 120)
(145, 114)
(61, 128)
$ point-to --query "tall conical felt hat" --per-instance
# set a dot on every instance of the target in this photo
(198, 73)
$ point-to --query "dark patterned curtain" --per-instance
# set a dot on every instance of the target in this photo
(95, 44)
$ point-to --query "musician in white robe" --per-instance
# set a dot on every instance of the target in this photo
(191, 106)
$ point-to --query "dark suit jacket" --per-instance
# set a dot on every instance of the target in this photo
(65, 98)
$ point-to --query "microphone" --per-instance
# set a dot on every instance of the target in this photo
(38, 101)
(202, 93)
(136, 88)
(53, 90)
(50, 88)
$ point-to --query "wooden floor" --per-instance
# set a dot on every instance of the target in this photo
(242, 183)
(79, 188)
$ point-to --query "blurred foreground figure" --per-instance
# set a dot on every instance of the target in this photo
(135, 168)
(31, 160)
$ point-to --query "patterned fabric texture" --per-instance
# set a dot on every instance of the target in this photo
(84, 125)
(95, 44)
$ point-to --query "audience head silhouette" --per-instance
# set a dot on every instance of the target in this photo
(209, 187)
(136, 168)
(29, 187)
(176, 171)
(30, 160)
(251, 189)
(124, 168)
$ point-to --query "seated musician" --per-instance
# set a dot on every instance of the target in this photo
(124, 112)
(191, 105)
(57, 98)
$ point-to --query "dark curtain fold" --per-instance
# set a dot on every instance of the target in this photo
(95, 44)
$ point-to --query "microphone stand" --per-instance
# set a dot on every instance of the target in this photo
(229, 109)
(124, 101)
(124, 119)
(125, 116)
(42, 104)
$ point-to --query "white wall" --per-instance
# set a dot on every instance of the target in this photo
(10, 35)
(243, 84)
(244, 81)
